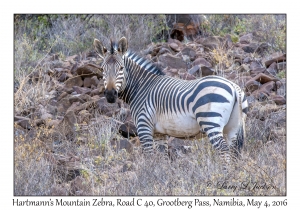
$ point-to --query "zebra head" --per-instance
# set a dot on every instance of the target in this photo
(113, 66)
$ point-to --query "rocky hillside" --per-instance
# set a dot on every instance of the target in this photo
(70, 124)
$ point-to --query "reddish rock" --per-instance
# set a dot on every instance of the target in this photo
(70, 118)
(122, 144)
(171, 61)
(279, 100)
(272, 69)
(276, 59)
(191, 53)
(89, 70)
(257, 71)
(246, 39)
(263, 78)
(82, 90)
(251, 48)
(87, 82)
(74, 81)
(252, 85)
(174, 47)
(268, 87)
(94, 81)
(201, 61)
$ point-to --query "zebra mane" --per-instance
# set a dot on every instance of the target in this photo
(144, 63)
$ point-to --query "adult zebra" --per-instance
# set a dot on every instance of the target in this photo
(164, 105)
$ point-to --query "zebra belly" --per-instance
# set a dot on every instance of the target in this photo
(177, 126)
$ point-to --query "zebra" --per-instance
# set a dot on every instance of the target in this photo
(163, 105)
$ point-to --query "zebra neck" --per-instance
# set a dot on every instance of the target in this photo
(136, 80)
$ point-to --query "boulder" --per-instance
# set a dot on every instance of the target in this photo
(89, 70)
(246, 39)
(128, 129)
(74, 81)
(118, 145)
(272, 69)
(202, 62)
(87, 82)
(191, 53)
(276, 59)
(71, 119)
(252, 85)
(279, 100)
(168, 60)
(174, 46)
(24, 122)
(94, 81)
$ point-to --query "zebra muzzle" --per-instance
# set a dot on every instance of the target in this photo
(111, 95)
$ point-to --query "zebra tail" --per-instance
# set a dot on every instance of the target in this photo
(241, 132)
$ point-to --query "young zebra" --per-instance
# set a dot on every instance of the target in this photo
(164, 105)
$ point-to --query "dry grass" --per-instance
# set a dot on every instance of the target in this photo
(51, 160)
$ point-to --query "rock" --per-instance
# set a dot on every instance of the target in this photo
(128, 166)
(104, 107)
(72, 58)
(63, 105)
(279, 100)
(62, 95)
(255, 65)
(128, 129)
(75, 98)
(121, 144)
(257, 71)
(79, 186)
(74, 81)
(262, 48)
(87, 82)
(168, 60)
(96, 92)
(71, 119)
(263, 78)
(206, 71)
(260, 95)
(250, 48)
(46, 117)
(185, 75)
(268, 87)
(89, 70)
(24, 122)
(84, 116)
(212, 42)
(59, 190)
(164, 50)
(189, 52)
(276, 59)
(281, 66)
(252, 85)
(202, 62)
(246, 39)
(64, 76)
(82, 90)
(272, 69)
(194, 69)
(94, 81)
(243, 68)
(174, 47)
(247, 60)
(281, 87)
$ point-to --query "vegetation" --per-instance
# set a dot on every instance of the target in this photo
(48, 158)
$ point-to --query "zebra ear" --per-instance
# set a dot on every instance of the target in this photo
(100, 49)
(122, 45)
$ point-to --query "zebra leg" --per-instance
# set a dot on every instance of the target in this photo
(234, 132)
(161, 145)
(145, 133)
(220, 144)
